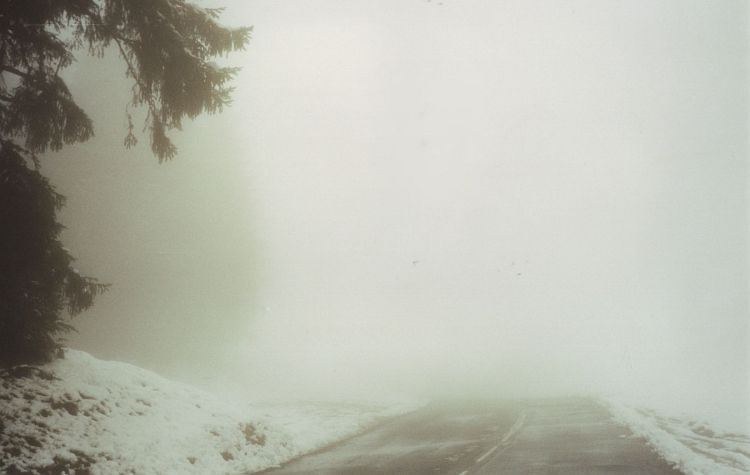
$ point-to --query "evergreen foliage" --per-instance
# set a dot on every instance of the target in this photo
(167, 46)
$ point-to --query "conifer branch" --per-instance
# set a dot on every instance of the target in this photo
(17, 72)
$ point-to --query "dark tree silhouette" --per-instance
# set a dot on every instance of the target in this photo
(167, 46)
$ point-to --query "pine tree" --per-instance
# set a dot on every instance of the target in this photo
(167, 47)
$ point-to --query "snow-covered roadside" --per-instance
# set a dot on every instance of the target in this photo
(694, 448)
(107, 417)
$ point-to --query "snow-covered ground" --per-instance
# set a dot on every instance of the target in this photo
(695, 448)
(106, 417)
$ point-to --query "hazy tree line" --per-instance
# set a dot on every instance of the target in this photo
(167, 47)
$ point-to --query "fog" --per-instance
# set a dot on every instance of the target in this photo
(436, 199)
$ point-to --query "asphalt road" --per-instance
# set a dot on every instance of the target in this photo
(560, 436)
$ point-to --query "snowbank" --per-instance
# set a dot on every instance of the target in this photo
(695, 448)
(106, 417)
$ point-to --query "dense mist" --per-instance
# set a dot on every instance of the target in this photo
(435, 199)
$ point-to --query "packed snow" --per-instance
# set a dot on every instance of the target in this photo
(81, 413)
(695, 448)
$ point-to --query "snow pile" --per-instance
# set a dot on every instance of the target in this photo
(695, 448)
(80, 413)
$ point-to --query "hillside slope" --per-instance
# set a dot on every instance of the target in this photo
(695, 448)
(83, 415)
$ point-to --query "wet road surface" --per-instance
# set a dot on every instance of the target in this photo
(555, 436)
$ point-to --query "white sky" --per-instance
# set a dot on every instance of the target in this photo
(480, 197)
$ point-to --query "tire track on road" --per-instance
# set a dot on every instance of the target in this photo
(504, 443)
